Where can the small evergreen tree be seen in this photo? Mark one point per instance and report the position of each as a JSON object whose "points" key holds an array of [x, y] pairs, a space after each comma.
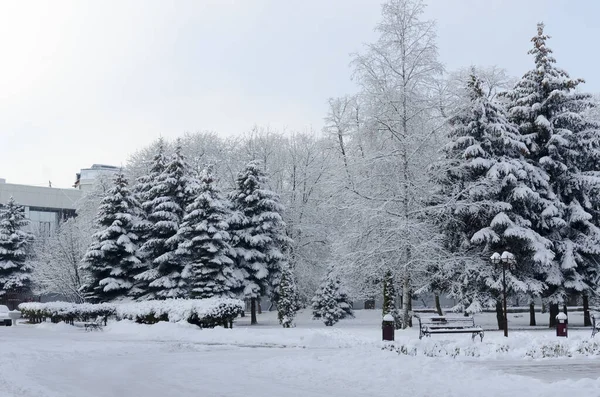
{"points": [[288, 303], [165, 207], [331, 303], [15, 272], [389, 299], [258, 233], [111, 260], [204, 243]]}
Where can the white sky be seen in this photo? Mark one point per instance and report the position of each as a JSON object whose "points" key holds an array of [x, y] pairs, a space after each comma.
{"points": [[85, 82]]}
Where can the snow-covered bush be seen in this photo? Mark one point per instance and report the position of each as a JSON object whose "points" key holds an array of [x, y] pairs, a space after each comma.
{"points": [[65, 311], [206, 313]]}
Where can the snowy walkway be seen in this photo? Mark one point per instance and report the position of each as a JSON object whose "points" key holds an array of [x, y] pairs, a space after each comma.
{"points": [[170, 360]]}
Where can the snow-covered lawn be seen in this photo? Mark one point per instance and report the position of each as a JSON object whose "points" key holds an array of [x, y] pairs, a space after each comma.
{"points": [[127, 359]]}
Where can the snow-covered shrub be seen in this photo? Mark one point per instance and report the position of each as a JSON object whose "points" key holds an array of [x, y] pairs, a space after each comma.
{"points": [[550, 350], [206, 313], [65, 311], [588, 348]]}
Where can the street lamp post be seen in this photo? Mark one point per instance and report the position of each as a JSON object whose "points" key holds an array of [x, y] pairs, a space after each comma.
{"points": [[507, 259]]}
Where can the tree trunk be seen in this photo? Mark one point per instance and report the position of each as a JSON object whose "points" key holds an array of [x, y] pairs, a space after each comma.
{"points": [[253, 311], [565, 311], [438, 306], [259, 306], [499, 314], [405, 300], [553, 313], [532, 314], [587, 321], [544, 307], [410, 324]]}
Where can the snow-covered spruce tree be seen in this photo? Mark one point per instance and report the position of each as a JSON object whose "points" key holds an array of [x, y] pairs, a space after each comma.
{"points": [[389, 299], [492, 200], [331, 303], [165, 205], [288, 302], [145, 195], [562, 140], [111, 260], [258, 233], [203, 240], [15, 272]]}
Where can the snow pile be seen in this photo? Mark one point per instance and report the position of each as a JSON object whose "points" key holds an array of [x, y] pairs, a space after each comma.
{"points": [[329, 338], [205, 313]]}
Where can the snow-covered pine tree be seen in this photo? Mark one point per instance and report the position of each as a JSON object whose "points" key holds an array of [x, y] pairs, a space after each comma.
{"points": [[111, 259], [562, 140], [492, 199], [145, 195], [389, 299], [331, 302], [165, 206], [15, 272], [258, 233], [288, 303], [203, 240]]}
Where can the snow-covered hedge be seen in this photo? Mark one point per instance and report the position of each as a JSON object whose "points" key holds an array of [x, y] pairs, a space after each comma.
{"points": [[65, 311], [205, 313], [522, 347]]}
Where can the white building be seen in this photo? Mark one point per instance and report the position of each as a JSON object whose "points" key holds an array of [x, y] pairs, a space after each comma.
{"points": [[45, 207], [86, 177]]}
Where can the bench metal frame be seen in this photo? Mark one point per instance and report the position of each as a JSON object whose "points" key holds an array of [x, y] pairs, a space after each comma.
{"points": [[94, 325], [448, 325], [595, 325]]}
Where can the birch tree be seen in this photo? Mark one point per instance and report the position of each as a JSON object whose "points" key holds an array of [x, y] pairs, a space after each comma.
{"points": [[396, 75]]}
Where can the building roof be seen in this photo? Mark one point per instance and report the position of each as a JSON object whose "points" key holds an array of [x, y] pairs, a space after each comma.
{"points": [[38, 196]]}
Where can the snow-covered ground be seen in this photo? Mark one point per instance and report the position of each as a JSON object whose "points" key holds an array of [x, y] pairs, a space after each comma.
{"points": [[347, 360]]}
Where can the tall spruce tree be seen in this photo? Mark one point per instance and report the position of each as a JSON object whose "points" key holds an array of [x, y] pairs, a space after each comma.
{"points": [[111, 259], [15, 272], [553, 117], [331, 302], [203, 243], [258, 231], [145, 195], [492, 198], [165, 206]]}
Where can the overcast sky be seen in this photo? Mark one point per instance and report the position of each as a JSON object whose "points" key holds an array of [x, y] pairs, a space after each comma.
{"points": [[85, 82]]}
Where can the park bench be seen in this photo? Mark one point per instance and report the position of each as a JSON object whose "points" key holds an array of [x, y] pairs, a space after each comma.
{"points": [[448, 325], [95, 325], [595, 324]]}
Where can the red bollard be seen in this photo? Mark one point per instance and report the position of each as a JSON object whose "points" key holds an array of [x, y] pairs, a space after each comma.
{"points": [[388, 327], [561, 325]]}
